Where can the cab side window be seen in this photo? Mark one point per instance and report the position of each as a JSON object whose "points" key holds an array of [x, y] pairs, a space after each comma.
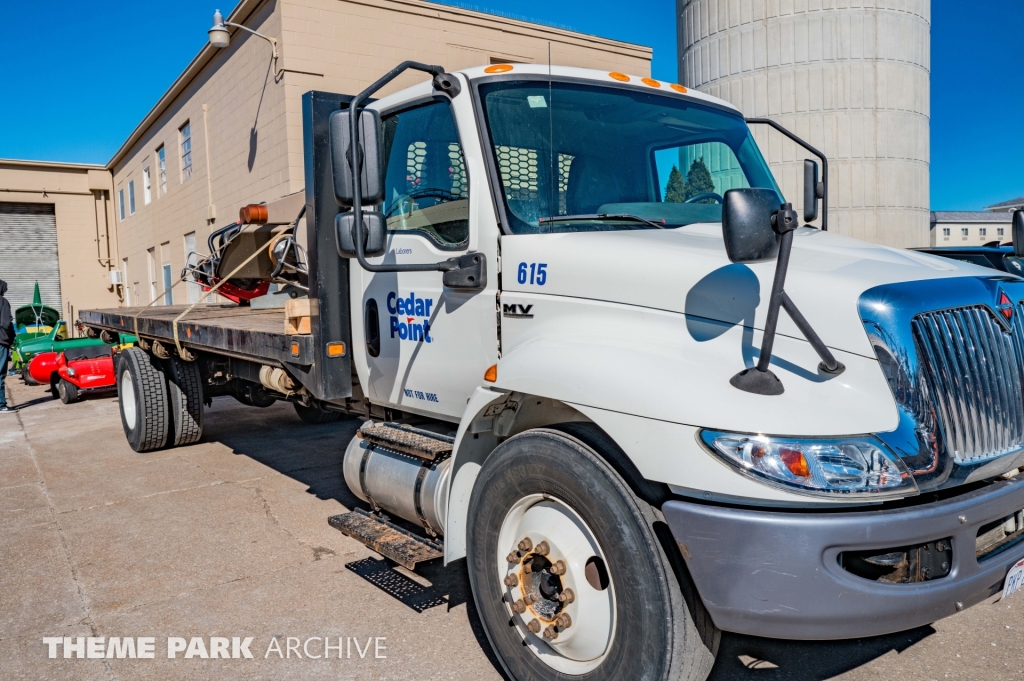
{"points": [[426, 189]]}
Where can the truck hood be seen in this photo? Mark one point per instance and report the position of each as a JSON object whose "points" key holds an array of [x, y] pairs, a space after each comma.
{"points": [[686, 270]]}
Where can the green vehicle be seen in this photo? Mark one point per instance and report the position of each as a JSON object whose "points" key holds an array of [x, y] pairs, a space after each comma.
{"points": [[57, 340], [35, 320]]}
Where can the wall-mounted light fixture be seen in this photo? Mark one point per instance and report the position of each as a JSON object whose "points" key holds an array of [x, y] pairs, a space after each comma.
{"points": [[220, 37]]}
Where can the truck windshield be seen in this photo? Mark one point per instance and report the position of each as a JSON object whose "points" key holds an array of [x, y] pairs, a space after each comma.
{"points": [[594, 152]]}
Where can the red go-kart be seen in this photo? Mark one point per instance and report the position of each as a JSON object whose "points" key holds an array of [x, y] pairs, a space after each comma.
{"points": [[76, 370]]}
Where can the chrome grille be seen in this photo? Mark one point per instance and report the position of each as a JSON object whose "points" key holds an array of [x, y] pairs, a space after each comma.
{"points": [[974, 369]]}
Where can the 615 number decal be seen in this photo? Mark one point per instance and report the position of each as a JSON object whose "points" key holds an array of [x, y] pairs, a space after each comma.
{"points": [[537, 273]]}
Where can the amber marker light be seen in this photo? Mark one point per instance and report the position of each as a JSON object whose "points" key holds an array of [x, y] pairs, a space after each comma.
{"points": [[491, 375], [295, 350], [498, 68], [621, 77], [795, 462], [650, 81], [336, 349], [678, 88]]}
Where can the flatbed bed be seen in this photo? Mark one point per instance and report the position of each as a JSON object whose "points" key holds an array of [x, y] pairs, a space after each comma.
{"points": [[225, 329]]}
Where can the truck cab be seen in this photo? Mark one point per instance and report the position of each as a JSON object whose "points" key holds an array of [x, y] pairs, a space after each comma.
{"points": [[601, 360]]}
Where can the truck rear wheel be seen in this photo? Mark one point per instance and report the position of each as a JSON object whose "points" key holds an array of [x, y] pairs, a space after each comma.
{"points": [[185, 398], [568, 574], [142, 398], [315, 415], [67, 391]]}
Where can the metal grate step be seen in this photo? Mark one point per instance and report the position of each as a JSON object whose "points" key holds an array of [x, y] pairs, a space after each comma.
{"points": [[405, 439], [386, 538]]}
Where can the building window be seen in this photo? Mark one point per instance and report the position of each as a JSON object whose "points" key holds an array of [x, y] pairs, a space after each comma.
{"points": [[147, 186], [151, 262], [131, 197], [165, 271], [982, 231], [185, 133], [999, 231], [945, 231], [127, 289], [161, 168], [120, 203], [964, 232]]}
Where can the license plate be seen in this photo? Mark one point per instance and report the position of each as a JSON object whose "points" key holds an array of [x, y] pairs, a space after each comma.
{"points": [[1014, 579]]}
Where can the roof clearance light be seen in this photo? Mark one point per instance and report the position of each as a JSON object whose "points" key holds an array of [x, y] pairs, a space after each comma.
{"points": [[650, 81], [622, 77], [498, 68], [678, 88]]}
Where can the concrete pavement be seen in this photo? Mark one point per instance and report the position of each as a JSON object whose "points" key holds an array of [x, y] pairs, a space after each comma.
{"points": [[228, 538]]}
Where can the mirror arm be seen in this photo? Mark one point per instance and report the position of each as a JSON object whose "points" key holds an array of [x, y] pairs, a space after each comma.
{"points": [[808, 147], [760, 380], [355, 162]]}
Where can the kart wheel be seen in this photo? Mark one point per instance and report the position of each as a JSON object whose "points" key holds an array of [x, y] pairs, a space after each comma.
{"points": [[568, 574], [185, 398], [27, 377], [54, 383], [142, 397], [315, 416], [67, 391]]}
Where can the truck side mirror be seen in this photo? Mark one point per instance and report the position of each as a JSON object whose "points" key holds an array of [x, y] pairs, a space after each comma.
{"points": [[374, 234], [370, 157], [813, 190], [1018, 232], [747, 224]]}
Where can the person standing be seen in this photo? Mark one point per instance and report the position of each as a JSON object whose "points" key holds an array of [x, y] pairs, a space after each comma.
{"points": [[6, 341]]}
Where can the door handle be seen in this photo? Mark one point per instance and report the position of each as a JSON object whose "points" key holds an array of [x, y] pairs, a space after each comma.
{"points": [[371, 328]]}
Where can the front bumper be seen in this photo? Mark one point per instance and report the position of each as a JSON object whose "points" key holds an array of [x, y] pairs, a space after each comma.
{"points": [[777, 573]]}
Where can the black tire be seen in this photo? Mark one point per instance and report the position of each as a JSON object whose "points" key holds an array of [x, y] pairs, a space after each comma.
{"points": [[67, 391], [253, 395], [27, 377], [54, 381], [185, 399], [659, 634], [315, 415], [147, 424]]}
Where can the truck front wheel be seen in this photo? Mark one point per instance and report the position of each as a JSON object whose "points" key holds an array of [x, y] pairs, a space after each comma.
{"points": [[568, 574], [315, 415], [142, 398]]}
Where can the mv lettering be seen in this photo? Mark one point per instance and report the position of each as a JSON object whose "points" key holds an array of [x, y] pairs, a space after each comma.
{"points": [[410, 317]]}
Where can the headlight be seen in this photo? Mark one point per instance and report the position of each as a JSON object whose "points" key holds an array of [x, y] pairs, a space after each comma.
{"points": [[71, 371], [848, 467]]}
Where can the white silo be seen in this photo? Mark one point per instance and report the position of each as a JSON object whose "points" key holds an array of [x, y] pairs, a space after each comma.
{"points": [[851, 77]]}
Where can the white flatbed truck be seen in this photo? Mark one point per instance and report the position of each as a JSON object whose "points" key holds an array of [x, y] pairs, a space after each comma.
{"points": [[576, 374]]}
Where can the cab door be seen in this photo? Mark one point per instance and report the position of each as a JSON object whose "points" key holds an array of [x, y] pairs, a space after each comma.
{"points": [[426, 346]]}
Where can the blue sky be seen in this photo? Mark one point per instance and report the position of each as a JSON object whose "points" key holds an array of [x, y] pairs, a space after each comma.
{"points": [[78, 77]]}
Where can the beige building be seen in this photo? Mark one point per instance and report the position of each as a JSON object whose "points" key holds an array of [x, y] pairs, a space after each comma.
{"points": [[57, 228], [229, 131], [970, 228]]}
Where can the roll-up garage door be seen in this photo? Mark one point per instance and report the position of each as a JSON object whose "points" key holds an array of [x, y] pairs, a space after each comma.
{"points": [[28, 253]]}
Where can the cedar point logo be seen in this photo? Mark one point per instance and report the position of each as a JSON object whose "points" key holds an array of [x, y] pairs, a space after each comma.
{"points": [[404, 312]]}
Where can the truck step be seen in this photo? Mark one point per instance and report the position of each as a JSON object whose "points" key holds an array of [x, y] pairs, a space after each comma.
{"points": [[405, 439], [386, 538]]}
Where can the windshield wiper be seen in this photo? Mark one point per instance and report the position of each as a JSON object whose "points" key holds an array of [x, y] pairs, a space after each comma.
{"points": [[597, 217]]}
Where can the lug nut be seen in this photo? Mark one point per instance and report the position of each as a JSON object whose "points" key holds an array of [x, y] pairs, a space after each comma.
{"points": [[530, 598], [550, 633], [534, 626], [567, 596], [563, 621], [558, 568], [511, 580], [542, 548], [513, 557], [526, 544], [528, 566], [519, 607]]}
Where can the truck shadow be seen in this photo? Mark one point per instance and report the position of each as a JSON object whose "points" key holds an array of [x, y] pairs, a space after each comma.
{"points": [[748, 657]]}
